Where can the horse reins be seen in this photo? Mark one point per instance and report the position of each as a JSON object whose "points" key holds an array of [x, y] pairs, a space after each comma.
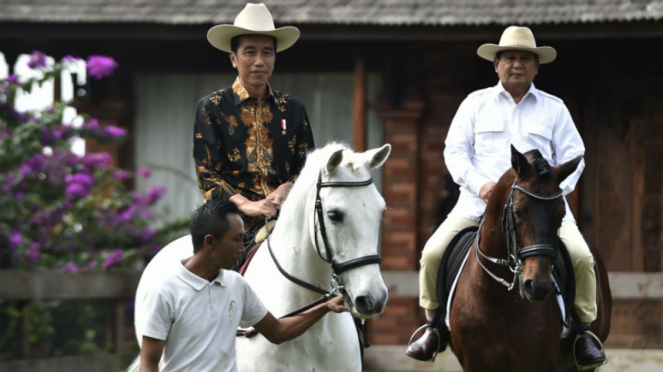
{"points": [[515, 256]]}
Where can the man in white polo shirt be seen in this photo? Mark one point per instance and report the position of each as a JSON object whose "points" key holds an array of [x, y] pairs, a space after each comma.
{"points": [[477, 153], [192, 316]]}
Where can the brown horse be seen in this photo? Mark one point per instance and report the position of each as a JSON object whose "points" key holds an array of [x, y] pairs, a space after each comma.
{"points": [[494, 328]]}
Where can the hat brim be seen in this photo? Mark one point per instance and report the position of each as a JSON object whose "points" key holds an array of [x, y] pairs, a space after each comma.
{"points": [[220, 36], [488, 51]]}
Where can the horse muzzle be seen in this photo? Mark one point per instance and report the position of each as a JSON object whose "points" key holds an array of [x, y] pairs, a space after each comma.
{"points": [[369, 304], [536, 290]]}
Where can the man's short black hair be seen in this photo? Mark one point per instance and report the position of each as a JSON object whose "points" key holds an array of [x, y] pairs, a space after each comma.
{"points": [[234, 42], [211, 218], [498, 54]]}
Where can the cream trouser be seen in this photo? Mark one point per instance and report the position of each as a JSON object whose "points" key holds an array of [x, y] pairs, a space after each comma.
{"points": [[583, 265]]}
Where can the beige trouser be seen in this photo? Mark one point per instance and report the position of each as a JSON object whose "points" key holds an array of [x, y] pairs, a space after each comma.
{"points": [[583, 265]]}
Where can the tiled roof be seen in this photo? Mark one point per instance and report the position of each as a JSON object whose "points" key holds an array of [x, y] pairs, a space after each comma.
{"points": [[363, 12]]}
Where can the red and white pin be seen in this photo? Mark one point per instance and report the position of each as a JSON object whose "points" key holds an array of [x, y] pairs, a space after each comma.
{"points": [[283, 127]]}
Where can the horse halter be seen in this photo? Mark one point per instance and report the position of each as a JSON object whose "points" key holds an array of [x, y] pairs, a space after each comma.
{"points": [[337, 268], [515, 256]]}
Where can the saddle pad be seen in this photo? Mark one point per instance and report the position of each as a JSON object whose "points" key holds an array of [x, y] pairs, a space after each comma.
{"points": [[453, 262], [451, 265]]}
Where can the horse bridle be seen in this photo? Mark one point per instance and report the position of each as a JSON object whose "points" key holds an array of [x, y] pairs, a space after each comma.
{"points": [[515, 256], [337, 268]]}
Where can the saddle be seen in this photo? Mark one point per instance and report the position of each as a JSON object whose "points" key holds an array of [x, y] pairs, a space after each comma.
{"points": [[252, 241], [453, 261]]}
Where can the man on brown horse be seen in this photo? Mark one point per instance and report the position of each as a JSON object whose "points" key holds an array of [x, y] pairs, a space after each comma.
{"points": [[477, 153]]}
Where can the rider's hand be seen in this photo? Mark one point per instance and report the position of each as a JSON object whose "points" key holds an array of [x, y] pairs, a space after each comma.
{"points": [[254, 208], [486, 190], [278, 196], [337, 305]]}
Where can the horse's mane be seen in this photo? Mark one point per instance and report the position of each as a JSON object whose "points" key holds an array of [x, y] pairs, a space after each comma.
{"points": [[317, 159]]}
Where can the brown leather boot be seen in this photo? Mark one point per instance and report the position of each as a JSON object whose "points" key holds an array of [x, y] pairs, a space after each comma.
{"points": [[427, 346], [587, 354]]}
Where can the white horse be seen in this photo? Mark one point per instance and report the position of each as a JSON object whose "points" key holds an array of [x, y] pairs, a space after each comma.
{"points": [[350, 209]]}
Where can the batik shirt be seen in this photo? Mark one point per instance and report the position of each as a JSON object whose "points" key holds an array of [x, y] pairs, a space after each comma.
{"points": [[249, 147]]}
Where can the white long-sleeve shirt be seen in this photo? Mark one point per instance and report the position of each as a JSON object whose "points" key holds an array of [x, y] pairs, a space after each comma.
{"points": [[487, 122]]}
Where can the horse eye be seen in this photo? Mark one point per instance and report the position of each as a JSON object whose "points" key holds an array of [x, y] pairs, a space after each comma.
{"points": [[517, 213], [335, 216]]}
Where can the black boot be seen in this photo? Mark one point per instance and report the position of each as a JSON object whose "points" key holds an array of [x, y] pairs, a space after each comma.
{"points": [[587, 353], [428, 345]]}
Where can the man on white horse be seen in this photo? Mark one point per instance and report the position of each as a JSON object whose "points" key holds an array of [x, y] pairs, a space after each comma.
{"points": [[251, 141], [477, 153], [192, 316]]}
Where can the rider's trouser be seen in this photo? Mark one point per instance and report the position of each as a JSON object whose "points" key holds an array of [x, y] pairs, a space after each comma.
{"points": [[583, 265]]}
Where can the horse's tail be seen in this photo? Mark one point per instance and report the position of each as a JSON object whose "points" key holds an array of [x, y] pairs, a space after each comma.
{"points": [[135, 365]]}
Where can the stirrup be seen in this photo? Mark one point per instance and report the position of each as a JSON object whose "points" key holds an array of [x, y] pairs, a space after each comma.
{"points": [[598, 342], [437, 332]]}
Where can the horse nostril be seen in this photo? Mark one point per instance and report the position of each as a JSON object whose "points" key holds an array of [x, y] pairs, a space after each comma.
{"points": [[529, 284], [366, 305]]}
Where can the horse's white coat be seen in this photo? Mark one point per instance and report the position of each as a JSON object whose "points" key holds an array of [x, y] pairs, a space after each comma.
{"points": [[332, 343]]}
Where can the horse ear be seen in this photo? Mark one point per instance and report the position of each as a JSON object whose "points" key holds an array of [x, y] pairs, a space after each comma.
{"points": [[564, 170], [519, 163], [378, 156], [334, 161]]}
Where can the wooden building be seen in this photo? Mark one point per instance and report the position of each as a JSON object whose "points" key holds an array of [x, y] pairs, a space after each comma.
{"points": [[373, 72]]}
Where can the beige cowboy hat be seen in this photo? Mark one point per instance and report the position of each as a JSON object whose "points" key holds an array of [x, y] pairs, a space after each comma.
{"points": [[517, 38], [254, 19]]}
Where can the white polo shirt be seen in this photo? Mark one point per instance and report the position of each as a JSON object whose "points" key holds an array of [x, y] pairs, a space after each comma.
{"points": [[477, 148], [198, 319]]}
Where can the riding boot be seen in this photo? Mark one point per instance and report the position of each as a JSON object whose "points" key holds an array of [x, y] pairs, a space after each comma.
{"points": [[587, 353], [428, 345]]}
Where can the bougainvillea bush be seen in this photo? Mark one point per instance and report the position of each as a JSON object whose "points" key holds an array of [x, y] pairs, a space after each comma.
{"points": [[61, 210]]}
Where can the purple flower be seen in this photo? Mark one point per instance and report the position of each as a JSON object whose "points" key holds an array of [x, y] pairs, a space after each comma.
{"points": [[121, 175], [115, 132], [114, 258], [147, 234], [33, 253], [144, 172], [37, 59], [144, 213], [83, 179], [69, 58], [97, 160], [127, 214], [35, 163], [100, 66], [12, 79], [15, 238], [70, 267], [92, 265], [76, 189], [23, 117], [139, 199], [155, 193], [92, 123]]}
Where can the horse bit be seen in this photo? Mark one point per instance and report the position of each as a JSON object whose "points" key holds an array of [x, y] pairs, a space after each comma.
{"points": [[337, 268], [515, 257]]}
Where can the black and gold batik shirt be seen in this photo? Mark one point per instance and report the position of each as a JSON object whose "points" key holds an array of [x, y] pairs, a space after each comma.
{"points": [[242, 145]]}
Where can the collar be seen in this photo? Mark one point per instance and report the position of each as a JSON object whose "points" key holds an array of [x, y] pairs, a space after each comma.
{"points": [[194, 280], [499, 90], [241, 94]]}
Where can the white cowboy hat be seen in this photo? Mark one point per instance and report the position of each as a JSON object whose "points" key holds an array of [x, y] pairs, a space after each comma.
{"points": [[517, 38], [253, 19]]}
